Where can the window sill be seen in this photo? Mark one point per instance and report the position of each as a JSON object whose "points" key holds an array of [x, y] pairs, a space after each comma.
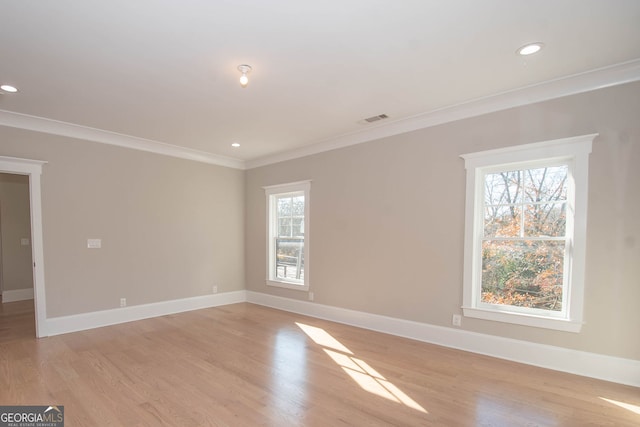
{"points": [[288, 285], [524, 319]]}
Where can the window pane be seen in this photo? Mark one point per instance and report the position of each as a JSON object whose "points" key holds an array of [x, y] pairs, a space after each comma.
{"points": [[502, 221], [290, 259], [545, 220], [284, 206], [284, 227], [503, 188], [298, 205], [287, 220], [298, 227], [546, 184], [523, 273]]}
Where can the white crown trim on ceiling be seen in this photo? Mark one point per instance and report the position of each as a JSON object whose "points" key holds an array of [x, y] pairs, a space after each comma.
{"points": [[626, 72], [578, 83], [55, 127]]}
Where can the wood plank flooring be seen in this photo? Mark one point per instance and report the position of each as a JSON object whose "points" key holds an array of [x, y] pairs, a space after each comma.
{"points": [[247, 365], [17, 320]]}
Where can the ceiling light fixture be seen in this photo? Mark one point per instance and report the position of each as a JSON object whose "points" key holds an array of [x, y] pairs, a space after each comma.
{"points": [[244, 69], [530, 48], [235, 145], [9, 88]]}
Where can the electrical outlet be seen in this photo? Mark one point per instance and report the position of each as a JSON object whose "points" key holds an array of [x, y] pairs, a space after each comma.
{"points": [[456, 320], [123, 302], [214, 289], [310, 296]]}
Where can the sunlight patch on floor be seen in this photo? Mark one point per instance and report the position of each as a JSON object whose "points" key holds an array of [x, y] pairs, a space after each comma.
{"points": [[323, 338], [360, 371], [628, 406]]}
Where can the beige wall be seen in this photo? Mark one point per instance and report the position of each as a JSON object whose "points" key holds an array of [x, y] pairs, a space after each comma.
{"points": [[387, 219], [15, 224], [170, 228]]}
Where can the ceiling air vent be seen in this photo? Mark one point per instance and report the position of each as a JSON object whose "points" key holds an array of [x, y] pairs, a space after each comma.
{"points": [[376, 118]]}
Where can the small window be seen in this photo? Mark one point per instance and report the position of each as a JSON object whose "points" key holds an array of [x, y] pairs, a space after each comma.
{"points": [[525, 233], [288, 235]]}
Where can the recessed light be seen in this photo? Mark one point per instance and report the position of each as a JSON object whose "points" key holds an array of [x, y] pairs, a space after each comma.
{"points": [[530, 49], [9, 88], [235, 145]]}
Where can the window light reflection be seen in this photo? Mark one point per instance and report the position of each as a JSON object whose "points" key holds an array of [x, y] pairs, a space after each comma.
{"points": [[370, 380], [289, 371], [323, 338], [628, 406], [364, 375]]}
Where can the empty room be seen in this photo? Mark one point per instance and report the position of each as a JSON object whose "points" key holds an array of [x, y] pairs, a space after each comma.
{"points": [[336, 213]]}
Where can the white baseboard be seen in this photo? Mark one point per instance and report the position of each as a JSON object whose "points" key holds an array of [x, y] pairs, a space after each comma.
{"points": [[17, 295], [608, 368], [97, 319]]}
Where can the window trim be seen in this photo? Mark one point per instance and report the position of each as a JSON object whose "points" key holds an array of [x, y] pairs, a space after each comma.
{"points": [[575, 151], [271, 192]]}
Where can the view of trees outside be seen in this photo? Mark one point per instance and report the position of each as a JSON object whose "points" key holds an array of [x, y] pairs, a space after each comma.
{"points": [[524, 240], [290, 238]]}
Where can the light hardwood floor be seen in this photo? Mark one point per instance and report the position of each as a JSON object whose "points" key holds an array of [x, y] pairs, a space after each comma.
{"points": [[247, 365]]}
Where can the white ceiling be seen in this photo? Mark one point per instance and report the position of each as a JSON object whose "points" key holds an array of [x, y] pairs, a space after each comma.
{"points": [[165, 70]]}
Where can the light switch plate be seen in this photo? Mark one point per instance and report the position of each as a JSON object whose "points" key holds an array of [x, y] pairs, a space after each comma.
{"points": [[24, 241], [94, 243]]}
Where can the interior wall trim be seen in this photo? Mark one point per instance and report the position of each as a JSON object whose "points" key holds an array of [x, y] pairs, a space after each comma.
{"points": [[626, 72], [603, 367], [617, 74], [17, 295], [98, 319], [599, 366], [33, 169], [71, 130]]}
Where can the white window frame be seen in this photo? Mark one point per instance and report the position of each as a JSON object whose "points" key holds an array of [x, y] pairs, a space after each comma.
{"points": [[272, 192], [572, 151]]}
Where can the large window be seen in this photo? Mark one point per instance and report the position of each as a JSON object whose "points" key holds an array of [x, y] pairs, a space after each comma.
{"points": [[288, 235], [525, 233]]}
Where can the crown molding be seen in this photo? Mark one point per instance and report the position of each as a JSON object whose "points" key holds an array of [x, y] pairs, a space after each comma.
{"points": [[618, 74], [600, 78], [55, 127]]}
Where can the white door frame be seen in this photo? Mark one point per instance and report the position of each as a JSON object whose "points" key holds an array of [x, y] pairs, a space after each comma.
{"points": [[1, 266], [33, 168]]}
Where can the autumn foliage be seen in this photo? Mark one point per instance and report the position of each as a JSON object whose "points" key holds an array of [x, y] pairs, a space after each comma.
{"points": [[524, 238]]}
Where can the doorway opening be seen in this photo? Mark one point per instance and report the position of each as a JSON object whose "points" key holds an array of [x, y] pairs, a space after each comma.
{"points": [[16, 262], [32, 169]]}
